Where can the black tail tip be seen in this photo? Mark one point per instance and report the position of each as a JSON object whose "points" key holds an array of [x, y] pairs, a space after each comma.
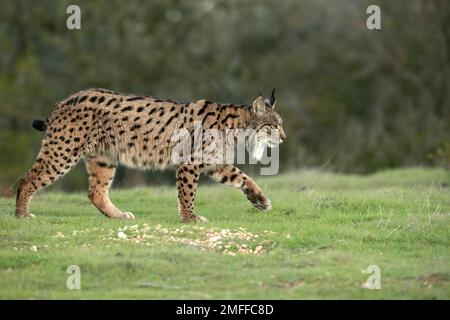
{"points": [[39, 125]]}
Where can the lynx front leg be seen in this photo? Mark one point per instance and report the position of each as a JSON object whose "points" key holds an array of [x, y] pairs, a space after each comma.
{"points": [[233, 177], [101, 171], [187, 181]]}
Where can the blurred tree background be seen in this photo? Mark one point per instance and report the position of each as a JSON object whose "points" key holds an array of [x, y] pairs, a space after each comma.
{"points": [[353, 99]]}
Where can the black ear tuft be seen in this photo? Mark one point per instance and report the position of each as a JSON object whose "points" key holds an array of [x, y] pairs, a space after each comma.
{"points": [[272, 97]]}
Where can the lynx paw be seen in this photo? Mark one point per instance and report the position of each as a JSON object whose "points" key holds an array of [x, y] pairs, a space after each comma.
{"points": [[127, 216], [26, 216], [194, 218], [258, 200], [262, 203]]}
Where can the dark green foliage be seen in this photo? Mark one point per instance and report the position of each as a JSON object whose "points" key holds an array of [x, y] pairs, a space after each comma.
{"points": [[353, 99]]}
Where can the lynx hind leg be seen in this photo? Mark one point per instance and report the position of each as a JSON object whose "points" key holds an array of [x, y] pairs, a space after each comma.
{"points": [[187, 181], [53, 161], [234, 177], [101, 170]]}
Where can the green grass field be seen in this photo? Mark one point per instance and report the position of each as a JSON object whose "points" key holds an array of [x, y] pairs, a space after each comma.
{"points": [[323, 232]]}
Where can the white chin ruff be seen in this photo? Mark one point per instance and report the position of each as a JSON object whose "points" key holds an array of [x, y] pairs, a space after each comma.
{"points": [[258, 150]]}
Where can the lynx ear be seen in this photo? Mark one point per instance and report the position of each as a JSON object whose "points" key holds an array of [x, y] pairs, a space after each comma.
{"points": [[272, 100], [259, 106]]}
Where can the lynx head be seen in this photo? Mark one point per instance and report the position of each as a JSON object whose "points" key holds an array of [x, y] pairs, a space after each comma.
{"points": [[267, 125]]}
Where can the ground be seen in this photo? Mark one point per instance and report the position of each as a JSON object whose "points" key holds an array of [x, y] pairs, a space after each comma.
{"points": [[324, 231]]}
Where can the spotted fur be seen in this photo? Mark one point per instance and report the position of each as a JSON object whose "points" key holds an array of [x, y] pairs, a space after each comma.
{"points": [[106, 128]]}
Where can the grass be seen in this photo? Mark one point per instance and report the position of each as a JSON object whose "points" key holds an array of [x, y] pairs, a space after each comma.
{"points": [[323, 232]]}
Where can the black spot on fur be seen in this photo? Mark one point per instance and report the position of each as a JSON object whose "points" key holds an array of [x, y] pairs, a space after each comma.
{"points": [[135, 98], [83, 98], [230, 116], [207, 115], [170, 120], [110, 101], [203, 108], [129, 108]]}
